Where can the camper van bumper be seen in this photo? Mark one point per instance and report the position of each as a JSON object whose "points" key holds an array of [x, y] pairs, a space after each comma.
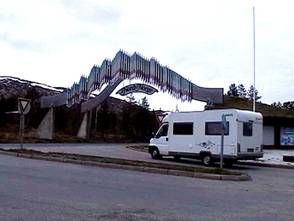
{"points": [[240, 156], [246, 156]]}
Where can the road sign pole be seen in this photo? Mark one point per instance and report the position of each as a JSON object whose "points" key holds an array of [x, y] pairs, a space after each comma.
{"points": [[24, 107], [222, 150], [21, 129], [223, 129]]}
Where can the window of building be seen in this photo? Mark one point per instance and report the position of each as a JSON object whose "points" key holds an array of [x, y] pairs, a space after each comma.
{"points": [[247, 129], [183, 128], [215, 128]]}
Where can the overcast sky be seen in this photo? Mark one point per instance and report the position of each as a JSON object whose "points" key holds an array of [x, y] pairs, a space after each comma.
{"points": [[209, 42]]}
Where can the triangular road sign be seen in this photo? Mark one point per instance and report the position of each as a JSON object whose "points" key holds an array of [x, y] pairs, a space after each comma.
{"points": [[24, 105]]}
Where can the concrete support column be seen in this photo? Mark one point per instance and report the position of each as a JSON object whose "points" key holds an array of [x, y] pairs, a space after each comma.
{"points": [[46, 127], [84, 127], [89, 126]]}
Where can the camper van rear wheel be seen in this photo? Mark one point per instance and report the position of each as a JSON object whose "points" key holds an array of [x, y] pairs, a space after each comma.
{"points": [[155, 153], [207, 160]]}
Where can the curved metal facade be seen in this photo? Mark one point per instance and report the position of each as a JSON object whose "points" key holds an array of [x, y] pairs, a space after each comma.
{"points": [[124, 66]]}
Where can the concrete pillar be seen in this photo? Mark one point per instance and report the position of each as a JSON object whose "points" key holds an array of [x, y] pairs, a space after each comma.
{"points": [[89, 126], [46, 127], [84, 127]]}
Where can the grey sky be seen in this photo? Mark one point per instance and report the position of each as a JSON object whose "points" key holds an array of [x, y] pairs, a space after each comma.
{"points": [[208, 42]]}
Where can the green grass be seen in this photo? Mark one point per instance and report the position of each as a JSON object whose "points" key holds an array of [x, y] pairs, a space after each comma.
{"points": [[127, 162]]}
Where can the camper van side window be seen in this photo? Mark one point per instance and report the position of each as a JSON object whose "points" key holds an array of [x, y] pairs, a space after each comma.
{"points": [[162, 131], [247, 129], [183, 128], [215, 128]]}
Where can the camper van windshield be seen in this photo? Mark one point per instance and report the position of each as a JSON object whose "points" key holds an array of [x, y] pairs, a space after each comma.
{"points": [[162, 131]]}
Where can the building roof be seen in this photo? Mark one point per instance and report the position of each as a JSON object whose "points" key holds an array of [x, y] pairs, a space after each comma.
{"points": [[267, 111]]}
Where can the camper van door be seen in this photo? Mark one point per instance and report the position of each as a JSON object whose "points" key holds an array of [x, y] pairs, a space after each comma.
{"points": [[161, 140]]}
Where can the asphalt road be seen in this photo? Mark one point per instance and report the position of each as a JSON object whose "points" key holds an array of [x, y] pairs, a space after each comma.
{"points": [[43, 190]]}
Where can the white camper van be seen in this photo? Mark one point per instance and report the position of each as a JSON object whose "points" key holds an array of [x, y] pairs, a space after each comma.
{"points": [[198, 135]]}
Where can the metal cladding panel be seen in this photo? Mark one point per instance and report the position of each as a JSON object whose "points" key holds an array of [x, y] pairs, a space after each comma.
{"points": [[116, 64], [54, 101], [97, 78], [104, 72], [153, 70], [164, 79], [91, 79], [121, 65], [133, 64], [139, 66], [126, 66], [93, 103], [185, 89], [209, 95]]}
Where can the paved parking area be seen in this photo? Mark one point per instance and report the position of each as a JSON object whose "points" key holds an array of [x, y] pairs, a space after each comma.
{"points": [[120, 151]]}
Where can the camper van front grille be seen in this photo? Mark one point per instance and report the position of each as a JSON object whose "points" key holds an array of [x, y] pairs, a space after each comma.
{"points": [[250, 150]]}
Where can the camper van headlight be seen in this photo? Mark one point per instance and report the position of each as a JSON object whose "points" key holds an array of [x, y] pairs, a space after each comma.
{"points": [[238, 148]]}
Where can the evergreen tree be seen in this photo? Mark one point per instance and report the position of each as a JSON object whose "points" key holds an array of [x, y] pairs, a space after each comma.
{"points": [[242, 91], [277, 104], [233, 91], [131, 98], [250, 94], [103, 118], [144, 103], [289, 105], [125, 124]]}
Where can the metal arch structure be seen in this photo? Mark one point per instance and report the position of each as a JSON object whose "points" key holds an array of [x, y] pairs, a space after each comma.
{"points": [[124, 66]]}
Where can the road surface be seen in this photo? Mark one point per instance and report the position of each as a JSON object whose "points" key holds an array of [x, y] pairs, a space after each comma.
{"points": [[43, 190]]}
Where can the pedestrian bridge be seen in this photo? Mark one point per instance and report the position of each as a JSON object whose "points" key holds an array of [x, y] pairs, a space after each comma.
{"points": [[123, 66]]}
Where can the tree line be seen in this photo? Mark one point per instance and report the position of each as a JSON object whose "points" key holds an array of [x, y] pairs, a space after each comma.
{"points": [[241, 92], [288, 105], [134, 121]]}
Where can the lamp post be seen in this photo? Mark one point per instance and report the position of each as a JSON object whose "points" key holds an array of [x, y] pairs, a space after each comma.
{"points": [[254, 59]]}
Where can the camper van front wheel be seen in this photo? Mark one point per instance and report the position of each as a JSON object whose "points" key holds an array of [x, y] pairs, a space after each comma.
{"points": [[207, 160], [155, 153]]}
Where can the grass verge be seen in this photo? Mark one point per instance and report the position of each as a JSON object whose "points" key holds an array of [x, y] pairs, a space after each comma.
{"points": [[137, 163]]}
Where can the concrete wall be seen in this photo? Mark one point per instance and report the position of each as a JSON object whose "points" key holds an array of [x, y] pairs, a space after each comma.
{"points": [[268, 135]]}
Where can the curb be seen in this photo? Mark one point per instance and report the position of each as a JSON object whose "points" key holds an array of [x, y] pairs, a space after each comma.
{"points": [[144, 149], [280, 166], [113, 165], [288, 158]]}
